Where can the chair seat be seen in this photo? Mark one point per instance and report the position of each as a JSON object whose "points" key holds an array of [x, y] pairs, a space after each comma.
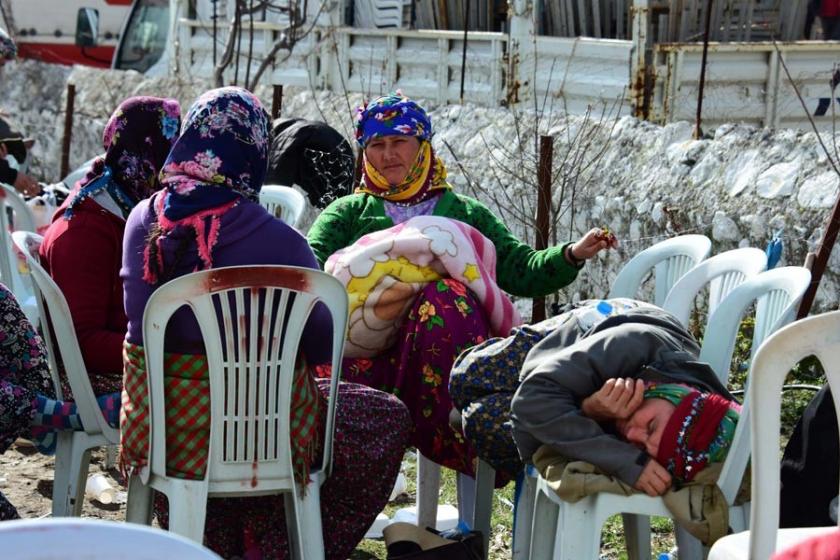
{"points": [[737, 546], [66, 538]]}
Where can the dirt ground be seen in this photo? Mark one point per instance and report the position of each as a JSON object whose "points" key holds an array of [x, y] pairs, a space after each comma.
{"points": [[26, 480]]}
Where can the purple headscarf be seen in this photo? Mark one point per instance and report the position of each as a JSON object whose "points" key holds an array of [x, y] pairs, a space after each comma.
{"points": [[137, 139], [220, 158]]}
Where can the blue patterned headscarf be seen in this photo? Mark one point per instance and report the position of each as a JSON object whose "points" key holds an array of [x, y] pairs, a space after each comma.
{"points": [[8, 49], [137, 138], [391, 115], [220, 158]]}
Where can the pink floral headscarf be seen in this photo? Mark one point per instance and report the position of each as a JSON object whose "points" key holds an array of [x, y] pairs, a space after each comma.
{"points": [[220, 158]]}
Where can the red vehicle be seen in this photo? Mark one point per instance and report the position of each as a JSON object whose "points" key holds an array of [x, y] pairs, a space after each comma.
{"points": [[47, 29]]}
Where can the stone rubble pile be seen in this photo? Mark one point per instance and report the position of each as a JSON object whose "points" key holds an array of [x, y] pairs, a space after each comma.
{"points": [[740, 185]]}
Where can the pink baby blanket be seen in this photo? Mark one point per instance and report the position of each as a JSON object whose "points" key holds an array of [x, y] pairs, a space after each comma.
{"points": [[384, 271]]}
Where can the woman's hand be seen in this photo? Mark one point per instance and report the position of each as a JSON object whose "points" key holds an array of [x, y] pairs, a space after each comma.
{"points": [[595, 240], [618, 399], [655, 480], [26, 185]]}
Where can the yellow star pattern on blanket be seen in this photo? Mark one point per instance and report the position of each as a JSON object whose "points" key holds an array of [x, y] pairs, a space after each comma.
{"points": [[471, 273]]}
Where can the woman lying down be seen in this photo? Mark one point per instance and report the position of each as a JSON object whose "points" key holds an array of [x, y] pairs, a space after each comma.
{"points": [[615, 383]]}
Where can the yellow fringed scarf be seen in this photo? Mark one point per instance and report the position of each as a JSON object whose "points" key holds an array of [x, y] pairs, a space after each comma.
{"points": [[417, 182]]}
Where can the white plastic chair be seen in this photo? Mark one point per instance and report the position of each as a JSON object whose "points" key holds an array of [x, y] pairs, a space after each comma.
{"points": [[669, 259], [814, 336], [721, 273], [72, 456], [62, 538], [283, 202], [475, 495], [251, 346], [10, 273], [571, 531]]}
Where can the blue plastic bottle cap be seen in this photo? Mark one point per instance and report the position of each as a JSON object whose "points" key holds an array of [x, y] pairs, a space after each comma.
{"points": [[604, 308]]}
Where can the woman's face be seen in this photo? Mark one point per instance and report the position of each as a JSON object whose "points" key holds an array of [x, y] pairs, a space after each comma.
{"points": [[645, 426], [393, 156]]}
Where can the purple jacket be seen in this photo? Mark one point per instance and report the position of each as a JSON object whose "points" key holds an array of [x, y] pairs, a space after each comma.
{"points": [[248, 235]]}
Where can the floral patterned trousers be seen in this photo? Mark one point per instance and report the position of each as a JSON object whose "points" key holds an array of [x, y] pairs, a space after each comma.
{"points": [[444, 320]]}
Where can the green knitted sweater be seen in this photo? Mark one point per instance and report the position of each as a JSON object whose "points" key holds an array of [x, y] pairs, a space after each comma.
{"points": [[520, 270]]}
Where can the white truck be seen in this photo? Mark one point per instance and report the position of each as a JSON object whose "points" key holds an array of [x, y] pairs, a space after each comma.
{"points": [[46, 29], [745, 81]]}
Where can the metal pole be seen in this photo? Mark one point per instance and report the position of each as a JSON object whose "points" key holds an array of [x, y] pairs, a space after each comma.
{"points": [[543, 213], [820, 261], [357, 172], [464, 52], [277, 101], [68, 130], [215, 31], [697, 131]]}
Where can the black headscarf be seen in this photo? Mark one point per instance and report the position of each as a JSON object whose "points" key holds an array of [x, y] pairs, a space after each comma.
{"points": [[312, 155]]}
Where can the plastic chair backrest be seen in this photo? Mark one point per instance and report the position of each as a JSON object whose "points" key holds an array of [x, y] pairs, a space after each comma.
{"points": [[10, 273], [670, 259], [283, 202], [776, 294], [23, 218], [61, 340], [67, 537], [721, 273], [251, 320], [814, 336]]}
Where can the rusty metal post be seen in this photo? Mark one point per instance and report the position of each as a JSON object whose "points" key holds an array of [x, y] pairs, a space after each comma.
{"points": [[276, 101], [698, 132], [357, 172], [464, 50], [68, 130], [820, 261], [543, 213], [641, 83]]}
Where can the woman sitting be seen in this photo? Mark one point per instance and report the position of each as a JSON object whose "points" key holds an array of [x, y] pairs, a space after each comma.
{"points": [[207, 216], [27, 405], [82, 249], [404, 179], [608, 382]]}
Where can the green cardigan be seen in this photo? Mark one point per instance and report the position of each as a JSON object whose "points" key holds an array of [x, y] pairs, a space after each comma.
{"points": [[520, 270]]}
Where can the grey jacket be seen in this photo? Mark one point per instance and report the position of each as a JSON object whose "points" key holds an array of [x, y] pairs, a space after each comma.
{"points": [[570, 364]]}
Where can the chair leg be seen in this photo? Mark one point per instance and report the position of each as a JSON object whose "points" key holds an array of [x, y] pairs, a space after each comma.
{"points": [[523, 514], [187, 511], [79, 464], [485, 478], [465, 487], [138, 509], [544, 522], [294, 527], [61, 478], [579, 533], [688, 547], [428, 486], [312, 532], [637, 535], [111, 456]]}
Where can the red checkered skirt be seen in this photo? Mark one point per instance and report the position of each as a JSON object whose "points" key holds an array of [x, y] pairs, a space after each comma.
{"points": [[187, 394]]}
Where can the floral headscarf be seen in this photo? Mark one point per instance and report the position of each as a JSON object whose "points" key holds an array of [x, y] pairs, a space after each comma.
{"points": [[137, 139], [699, 432], [8, 49], [394, 115], [389, 115], [219, 159]]}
